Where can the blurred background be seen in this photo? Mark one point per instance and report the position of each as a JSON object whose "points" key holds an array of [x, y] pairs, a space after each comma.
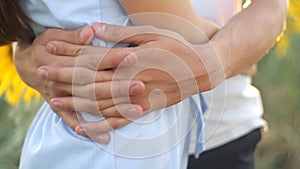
{"points": [[278, 80]]}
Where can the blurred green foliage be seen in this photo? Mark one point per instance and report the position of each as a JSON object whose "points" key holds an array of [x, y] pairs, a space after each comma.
{"points": [[14, 122], [279, 81]]}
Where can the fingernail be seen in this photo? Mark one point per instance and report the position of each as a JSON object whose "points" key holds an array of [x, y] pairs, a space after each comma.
{"points": [[52, 47], [82, 34], [43, 72], [99, 27], [80, 130], [136, 89], [133, 112], [102, 139], [56, 104], [130, 59]]}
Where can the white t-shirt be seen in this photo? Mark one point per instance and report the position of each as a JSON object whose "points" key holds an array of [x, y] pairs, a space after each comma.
{"points": [[235, 106]]}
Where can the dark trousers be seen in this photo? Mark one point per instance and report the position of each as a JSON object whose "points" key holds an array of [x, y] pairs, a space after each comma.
{"points": [[238, 154]]}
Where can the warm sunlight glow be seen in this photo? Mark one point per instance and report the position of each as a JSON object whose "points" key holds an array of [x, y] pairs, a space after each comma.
{"points": [[11, 85], [247, 3], [291, 28]]}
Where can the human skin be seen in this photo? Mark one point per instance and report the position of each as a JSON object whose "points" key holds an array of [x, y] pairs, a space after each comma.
{"points": [[233, 44], [50, 89], [29, 57]]}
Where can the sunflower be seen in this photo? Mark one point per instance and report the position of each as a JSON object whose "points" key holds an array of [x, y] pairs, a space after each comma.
{"points": [[294, 16], [12, 88], [292, 28]]}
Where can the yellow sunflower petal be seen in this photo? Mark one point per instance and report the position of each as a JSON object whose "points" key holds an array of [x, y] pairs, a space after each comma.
{"points": [[11, 85], [292, 28]]}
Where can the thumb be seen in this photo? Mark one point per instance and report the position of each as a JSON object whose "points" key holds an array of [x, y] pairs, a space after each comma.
{"points": [[125, 34]]}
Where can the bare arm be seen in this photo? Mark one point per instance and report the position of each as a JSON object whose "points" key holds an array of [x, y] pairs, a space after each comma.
{"points": [[250, 34], [239, 44], [182, 9]]}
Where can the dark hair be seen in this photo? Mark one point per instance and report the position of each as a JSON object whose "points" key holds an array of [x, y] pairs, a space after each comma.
{"points": [[14, 24]]}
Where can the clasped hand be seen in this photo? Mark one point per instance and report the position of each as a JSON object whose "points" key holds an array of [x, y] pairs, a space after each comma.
{"points": [[121, 84]]}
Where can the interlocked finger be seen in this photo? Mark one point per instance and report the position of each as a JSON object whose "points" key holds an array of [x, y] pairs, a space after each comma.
{"points": [[96, 108], [129, 111], [69, 117], [95, 130], [82, 76], [109, 89], [133, 34]]}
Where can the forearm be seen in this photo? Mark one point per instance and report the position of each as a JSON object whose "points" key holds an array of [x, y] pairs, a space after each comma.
{"points": [[249, 35], [175, 15]]}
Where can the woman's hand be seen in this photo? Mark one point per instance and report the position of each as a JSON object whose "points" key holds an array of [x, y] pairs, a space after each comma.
{"points": [[29, 57]]}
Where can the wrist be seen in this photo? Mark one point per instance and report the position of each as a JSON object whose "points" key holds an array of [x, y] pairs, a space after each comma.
{"points": [[223, 53], [208, 69]]}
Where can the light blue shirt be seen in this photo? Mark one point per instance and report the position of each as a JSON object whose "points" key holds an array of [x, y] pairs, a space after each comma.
{"points": [[159, 140]]}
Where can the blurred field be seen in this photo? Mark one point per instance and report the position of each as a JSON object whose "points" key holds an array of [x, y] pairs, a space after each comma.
{"points": [[14, 122], [279, 81]]}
